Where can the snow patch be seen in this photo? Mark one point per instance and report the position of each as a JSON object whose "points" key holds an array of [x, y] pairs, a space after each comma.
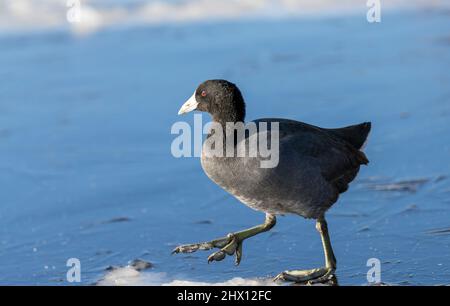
{"points": [[127, 276]]}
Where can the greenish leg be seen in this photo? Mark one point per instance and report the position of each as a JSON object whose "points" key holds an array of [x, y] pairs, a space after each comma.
{"points": [[320, 274], [229, 245]]}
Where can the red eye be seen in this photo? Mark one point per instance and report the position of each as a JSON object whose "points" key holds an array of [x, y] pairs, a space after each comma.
{"points": [[203, 93]]}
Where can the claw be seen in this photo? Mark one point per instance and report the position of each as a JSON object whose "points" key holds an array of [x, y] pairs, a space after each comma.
{"points": [[238, 254], [190, 248], [328, 276], [187, 248], [228, 246], [313, 276], [280, 277], [229, 249], [217, 256]]}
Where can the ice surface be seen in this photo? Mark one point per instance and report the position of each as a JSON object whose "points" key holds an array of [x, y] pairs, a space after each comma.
{"points": [[87, 173]]}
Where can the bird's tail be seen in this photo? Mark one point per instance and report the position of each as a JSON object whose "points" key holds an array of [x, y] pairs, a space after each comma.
{"points": [[356, 135]]}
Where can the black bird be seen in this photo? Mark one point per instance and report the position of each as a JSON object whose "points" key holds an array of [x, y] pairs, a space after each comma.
{"points": [[314, 166]]}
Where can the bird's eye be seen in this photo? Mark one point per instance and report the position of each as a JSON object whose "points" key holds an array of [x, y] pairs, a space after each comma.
{"points": [[203, 94]]}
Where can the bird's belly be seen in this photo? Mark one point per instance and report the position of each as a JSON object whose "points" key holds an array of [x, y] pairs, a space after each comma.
{"points": [[286, 204], [272, 206], [278, 192]]}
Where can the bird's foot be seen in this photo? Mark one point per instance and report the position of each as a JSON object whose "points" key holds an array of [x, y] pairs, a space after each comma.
{"points": [[229, 245], [310, 277]]}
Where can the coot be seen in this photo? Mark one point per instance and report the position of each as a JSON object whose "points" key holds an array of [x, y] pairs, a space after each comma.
{"points": [[314, 166]]}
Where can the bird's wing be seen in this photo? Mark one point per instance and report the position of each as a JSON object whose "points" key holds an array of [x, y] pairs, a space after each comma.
{"points": [[337, 159]]}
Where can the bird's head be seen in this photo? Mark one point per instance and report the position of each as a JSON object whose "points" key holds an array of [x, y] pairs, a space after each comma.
{"points": [[220, 98]]}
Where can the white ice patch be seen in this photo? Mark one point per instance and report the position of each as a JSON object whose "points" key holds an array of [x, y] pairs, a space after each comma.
{"points": [[96, 14], [128, 276]]}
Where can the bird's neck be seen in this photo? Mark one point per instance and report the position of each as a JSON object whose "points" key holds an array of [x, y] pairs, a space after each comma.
{"points": [[229, 111], [226, 117], [226, 126]]}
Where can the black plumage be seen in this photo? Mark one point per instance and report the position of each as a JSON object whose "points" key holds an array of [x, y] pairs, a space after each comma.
{"points": [[314, 166]]}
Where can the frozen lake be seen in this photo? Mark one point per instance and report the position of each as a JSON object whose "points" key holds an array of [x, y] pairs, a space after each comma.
{"points": [[87, 172]]}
